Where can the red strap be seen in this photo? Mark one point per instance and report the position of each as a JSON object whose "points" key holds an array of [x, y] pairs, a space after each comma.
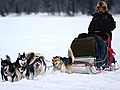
{"points": [[109, 42], [110, 52]]}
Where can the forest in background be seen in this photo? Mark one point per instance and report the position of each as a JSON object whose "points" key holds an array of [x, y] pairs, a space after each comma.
{"points": [[68, 7]]}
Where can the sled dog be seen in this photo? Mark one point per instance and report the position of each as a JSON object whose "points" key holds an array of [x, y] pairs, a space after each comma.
{"points": [[6, 68], [21, 66], [36, 65], [13, 70], [63, 64]]}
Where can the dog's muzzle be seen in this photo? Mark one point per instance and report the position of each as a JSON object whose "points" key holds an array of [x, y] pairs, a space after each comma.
{"points": [[54, 64], [37, 65]]}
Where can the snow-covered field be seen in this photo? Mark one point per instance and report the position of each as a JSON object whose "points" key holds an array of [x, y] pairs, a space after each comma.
{"points": [[52, 36]]}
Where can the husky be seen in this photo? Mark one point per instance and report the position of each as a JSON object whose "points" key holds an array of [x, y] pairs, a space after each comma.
{"points": [[63, 64], [36, 65], [13, 70], [8, 69], [21, 66]]}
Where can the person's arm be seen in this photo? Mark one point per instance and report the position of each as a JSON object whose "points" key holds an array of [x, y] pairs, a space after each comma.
{"points": [[112, 25], [91, 28]]}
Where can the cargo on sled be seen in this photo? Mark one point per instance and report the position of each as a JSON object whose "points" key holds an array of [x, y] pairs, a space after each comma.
{"points": [[91, 54]]}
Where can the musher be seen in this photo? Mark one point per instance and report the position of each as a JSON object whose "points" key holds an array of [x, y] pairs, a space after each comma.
{"points": [[102, 23]]}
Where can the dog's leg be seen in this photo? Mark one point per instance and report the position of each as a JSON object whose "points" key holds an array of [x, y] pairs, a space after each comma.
{"points": [[53, 70], [32, 72], [24, 74], [19, 75], [63, 69], [13, 77], [70, 69], [32, 76], [2, 74], [28, 72], [4, 78], [42, 70]]}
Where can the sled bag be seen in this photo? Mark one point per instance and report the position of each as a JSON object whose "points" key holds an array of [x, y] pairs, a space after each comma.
{"points": [[83, 46]]}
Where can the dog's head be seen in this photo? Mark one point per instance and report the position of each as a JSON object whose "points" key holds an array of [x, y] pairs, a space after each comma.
{"points": [[38, 63], [21, 62], [22, 57], [56, 61], [5, 64]]}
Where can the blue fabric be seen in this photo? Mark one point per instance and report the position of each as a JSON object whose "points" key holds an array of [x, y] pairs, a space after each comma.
{"points": [[100, 50]]}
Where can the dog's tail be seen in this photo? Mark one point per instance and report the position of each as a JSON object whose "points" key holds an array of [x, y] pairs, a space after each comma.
{"points": [[8, 58], [32, 57], [70, 54]]}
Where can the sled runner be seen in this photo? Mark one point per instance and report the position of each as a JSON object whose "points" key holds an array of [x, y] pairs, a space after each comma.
{"points": [[92, 54], [84, 65]]}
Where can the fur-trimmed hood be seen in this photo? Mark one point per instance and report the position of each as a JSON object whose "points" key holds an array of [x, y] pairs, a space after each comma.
{"points": [[101, 4]]}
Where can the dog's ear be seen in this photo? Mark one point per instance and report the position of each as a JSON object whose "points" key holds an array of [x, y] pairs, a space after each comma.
{"points": [[24, 54], [1, 59], [56, 57], [19, 55], [60, 58], [8, 58]]}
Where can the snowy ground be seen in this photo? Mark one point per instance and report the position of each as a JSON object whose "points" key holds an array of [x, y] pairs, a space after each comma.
{"points": [[52, 36]]}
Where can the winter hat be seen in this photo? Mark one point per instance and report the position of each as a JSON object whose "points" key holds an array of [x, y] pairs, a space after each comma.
{"points": [[101, 4]]}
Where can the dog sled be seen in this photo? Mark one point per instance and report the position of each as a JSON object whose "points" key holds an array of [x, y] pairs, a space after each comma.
{"points": [[92, 54]]}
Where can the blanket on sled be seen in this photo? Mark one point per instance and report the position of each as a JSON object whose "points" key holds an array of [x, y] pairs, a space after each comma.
{"points": [[89, 45]]}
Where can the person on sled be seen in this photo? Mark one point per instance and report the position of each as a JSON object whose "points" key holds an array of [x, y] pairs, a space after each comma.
{"points": [[102, 23]]}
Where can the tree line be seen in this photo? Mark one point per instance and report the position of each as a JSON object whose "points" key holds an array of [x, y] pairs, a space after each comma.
{"points": [[68, 7]]}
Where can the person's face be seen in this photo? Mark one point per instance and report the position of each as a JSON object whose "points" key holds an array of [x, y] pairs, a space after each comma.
{"points": [[101, 9]]}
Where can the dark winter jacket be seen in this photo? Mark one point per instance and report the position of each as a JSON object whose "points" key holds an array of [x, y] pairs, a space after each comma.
{"points": [[101, 25]]}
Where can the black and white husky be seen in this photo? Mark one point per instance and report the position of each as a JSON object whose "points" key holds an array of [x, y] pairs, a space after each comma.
{"points": [[7, 69], [13, 70], [27, 65], [36, 65], [21, 66]]}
